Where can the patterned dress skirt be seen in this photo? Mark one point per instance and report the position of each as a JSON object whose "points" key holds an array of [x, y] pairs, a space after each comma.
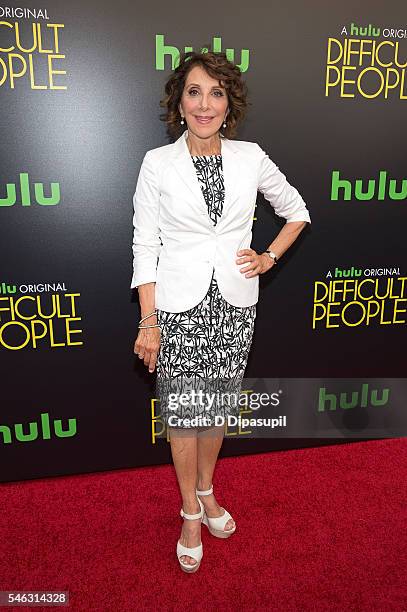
{"points": [[204, 350]]}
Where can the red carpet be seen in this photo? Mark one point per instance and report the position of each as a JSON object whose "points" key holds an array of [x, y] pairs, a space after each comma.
{"points": [[318, 529]]}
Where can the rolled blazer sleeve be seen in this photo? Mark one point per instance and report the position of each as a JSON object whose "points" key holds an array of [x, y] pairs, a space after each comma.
{"points": [[146, 235], [284, 198]]}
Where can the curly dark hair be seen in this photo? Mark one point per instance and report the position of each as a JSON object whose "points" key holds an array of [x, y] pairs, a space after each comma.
{"points": [[218, 67]]}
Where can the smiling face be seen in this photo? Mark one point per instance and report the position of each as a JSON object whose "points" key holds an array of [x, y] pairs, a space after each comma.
{"points": [[204, 103]]}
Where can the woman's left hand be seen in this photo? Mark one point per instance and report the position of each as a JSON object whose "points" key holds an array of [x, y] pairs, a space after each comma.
{"points": [[257, 263]]}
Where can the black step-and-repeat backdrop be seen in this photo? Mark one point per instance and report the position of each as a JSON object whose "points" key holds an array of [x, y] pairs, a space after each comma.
{"points": [[80, 85]]}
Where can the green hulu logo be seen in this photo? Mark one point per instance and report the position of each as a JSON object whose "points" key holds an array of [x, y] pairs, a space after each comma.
{"points": [[366, 31], [41, 430], [161, 50], [360, 399], [25, 195], [5, 288], [348, 273], [376, 189]]}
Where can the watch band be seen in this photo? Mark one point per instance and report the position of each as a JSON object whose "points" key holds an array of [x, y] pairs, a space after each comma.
{"points": [[273, 255]]}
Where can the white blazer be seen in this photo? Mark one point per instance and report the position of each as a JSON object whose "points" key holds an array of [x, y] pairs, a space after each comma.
{"points": [[172, 225]]}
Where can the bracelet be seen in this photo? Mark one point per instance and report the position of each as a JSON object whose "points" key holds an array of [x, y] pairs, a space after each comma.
{"points": [[146, 326], [149, 315]]}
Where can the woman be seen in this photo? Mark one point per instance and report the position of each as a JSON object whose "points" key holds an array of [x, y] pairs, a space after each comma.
{"points": [[193, 211]]}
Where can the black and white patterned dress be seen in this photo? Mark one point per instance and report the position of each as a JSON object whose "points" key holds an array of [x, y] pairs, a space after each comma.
{"points": [[204, 349]]}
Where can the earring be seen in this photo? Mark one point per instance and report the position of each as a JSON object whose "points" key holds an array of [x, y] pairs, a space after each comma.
{"points": [[182, 120], [224, 124]]}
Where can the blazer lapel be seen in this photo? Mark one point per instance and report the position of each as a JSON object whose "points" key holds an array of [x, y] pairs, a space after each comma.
{"points": [[186, 170], [232, 175]]}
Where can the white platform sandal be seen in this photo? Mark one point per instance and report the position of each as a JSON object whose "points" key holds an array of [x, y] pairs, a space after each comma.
{"points": [[217, 524], [197, 551]]}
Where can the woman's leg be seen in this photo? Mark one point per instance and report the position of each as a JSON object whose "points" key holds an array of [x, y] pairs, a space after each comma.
{"points": [[184, 454], [209, 442]]}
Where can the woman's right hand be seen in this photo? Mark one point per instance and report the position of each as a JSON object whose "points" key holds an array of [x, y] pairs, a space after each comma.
{"points": [[147, 345]]}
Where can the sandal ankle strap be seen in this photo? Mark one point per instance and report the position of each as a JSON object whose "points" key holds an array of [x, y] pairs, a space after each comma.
{"points": [[207, 492], [191, 517]]}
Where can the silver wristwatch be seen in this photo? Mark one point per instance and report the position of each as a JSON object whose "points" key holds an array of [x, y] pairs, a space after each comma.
{"points": [[272, 255]]}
